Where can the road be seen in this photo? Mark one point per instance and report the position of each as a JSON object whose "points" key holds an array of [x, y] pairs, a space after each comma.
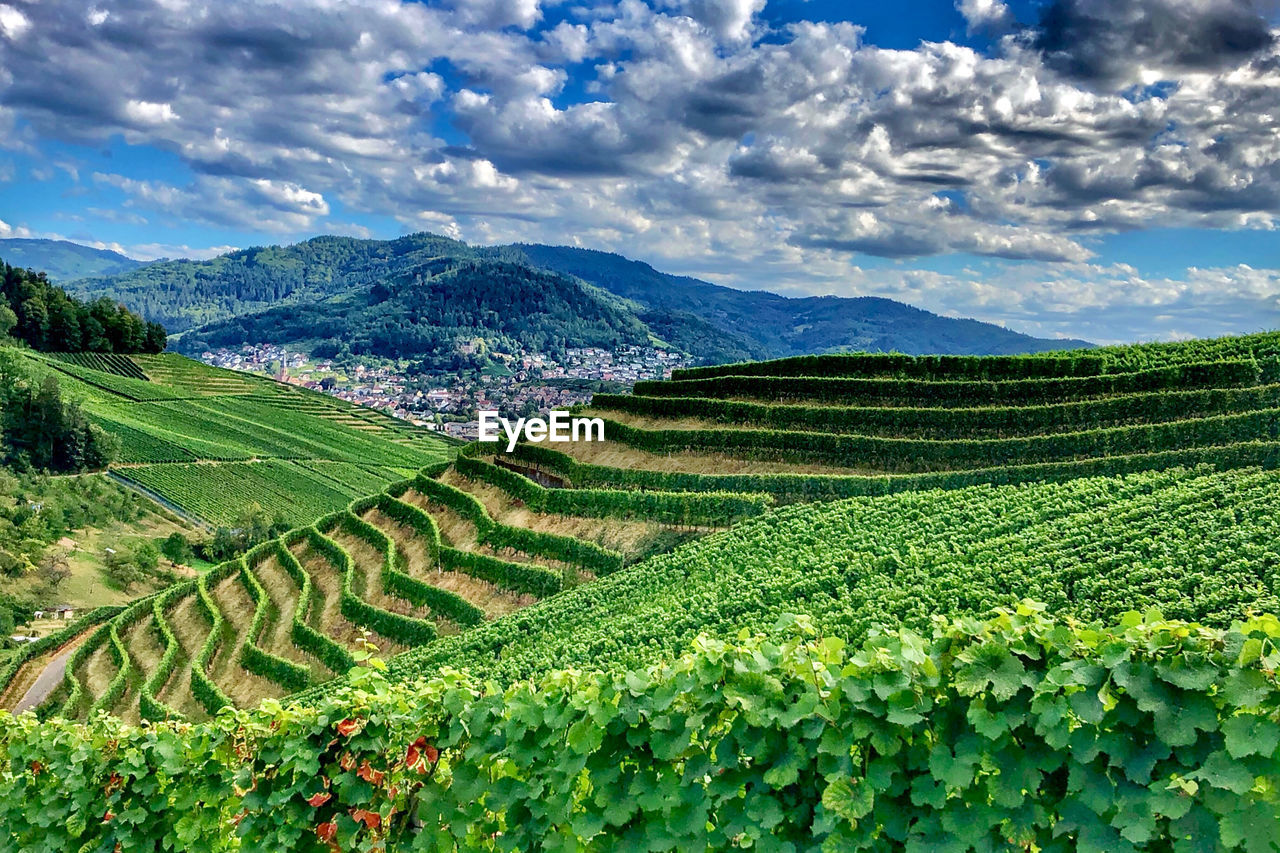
{"points": [[46, 682]]}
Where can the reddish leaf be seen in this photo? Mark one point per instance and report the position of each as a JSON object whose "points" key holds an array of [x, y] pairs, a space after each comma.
{"points": [[108, 816], [318, 800], [433, 754], [326, 831], [370, 819], [368, 774], [348, 727]]}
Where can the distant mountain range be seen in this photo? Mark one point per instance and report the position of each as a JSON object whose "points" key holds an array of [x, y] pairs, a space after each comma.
{"points": [[418, 295], [64, 261]]}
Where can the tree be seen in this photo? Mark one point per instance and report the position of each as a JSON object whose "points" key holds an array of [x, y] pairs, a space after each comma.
{"points": [[177, 549], [8, 320], [224, 546]]}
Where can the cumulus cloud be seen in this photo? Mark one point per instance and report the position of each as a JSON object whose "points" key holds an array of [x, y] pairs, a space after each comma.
{"points": [[989, 15], [686, 131]]}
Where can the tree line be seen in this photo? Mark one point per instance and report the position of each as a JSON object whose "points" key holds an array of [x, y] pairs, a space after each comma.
{"points": [[45, 318]]}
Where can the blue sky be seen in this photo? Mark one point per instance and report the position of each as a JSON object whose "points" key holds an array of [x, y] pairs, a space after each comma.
{"points": [[1103, 169]]}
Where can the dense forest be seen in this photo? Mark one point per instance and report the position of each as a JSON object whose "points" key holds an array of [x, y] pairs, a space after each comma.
{"points": [[46, 318], [183, 294], [427, 312]]}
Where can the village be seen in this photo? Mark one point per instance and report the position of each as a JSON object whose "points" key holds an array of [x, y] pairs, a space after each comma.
{"points": [[517, 384]]}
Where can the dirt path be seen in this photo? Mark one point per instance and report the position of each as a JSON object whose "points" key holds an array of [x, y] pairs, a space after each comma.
{"points": [[190, 626], [47, 681]]}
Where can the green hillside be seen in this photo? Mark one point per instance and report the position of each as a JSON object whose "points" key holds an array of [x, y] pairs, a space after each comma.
{"points": [[1094, 482], [212, 442], [425, 312]]}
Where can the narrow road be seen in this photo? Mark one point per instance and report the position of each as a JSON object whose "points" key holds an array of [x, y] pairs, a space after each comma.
{"points": [[46, 682]]}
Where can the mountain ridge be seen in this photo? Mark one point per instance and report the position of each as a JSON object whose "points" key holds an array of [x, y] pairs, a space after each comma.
{"points": [[63, 260], [236, 293]]}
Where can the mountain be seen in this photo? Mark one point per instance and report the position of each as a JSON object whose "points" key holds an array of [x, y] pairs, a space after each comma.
{"points": [[63, 261], [410, 296], [426, 311], [770, 326], [183, 294]]}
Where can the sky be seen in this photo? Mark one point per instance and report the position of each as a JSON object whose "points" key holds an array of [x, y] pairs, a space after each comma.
{"points": [[1097, 169]]}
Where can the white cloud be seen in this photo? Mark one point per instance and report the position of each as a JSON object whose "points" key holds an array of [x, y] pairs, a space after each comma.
{"points": [[9, 231], [13, 24], [985, 14]]}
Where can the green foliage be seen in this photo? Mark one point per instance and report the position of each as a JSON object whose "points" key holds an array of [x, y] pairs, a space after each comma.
{"points": [[955, 423], [51, 321], [897, 365], [203, 688], [676, 508], [1026, 730], [149, 706], [966, 393], [588, 555], [404, 629], [914, 455], [177, 549], [1196, 544], [331, 654], [793, 488], [286, 673]]}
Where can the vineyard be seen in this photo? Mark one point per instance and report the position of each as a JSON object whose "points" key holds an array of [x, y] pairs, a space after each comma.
{"points": [[848, 498], [212, 442]]}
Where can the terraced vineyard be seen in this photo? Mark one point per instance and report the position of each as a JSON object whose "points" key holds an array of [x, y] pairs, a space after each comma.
{"points": [[1092, 495], [431, 556], [211, 442]]}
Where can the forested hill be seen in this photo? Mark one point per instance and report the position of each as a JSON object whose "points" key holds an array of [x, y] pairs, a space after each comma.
{"points": [[771, 326], [426, 313], [44, 317], [183, 294], [336, 274]]}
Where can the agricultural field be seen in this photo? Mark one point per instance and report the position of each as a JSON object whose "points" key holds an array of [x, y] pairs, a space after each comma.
{"points": [[211, 442], [1030, 523]]}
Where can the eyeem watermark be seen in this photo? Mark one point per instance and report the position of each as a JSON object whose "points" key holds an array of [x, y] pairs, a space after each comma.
{"points": [[559, 427]]}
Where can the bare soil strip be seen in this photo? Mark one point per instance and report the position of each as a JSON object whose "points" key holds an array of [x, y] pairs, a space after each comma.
{"points": [[242, 687], [277, 637], [144, 649], [190, 626], [96, 674], [491, 599], [326, 583]]}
